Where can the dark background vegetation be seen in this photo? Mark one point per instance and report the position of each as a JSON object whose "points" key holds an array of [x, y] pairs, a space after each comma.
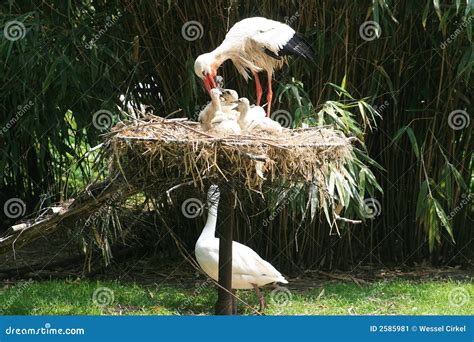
{"points": [[426, 166]]}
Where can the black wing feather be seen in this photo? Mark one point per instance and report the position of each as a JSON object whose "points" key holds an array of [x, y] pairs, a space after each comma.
{"points": [[297, 45]]}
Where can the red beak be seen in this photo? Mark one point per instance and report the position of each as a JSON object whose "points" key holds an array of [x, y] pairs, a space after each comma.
{"points": [[209, 83]]}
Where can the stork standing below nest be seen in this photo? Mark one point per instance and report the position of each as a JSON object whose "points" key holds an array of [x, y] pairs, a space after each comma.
{"points": [[254, 44], [249, 270]]}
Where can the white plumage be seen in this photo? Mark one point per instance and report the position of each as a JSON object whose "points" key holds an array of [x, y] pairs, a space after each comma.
{"points": [[253, 44], [221, 107], [224, 124], [248, 114], [249, 270], [253, 118]]}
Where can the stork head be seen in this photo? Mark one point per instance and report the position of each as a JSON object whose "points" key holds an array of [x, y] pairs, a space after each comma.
{"points": [[243, 104], [215, 94], [229, 95], [206, 69]]}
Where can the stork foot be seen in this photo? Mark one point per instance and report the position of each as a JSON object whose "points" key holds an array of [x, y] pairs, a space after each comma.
{"points": [[261, 299]]}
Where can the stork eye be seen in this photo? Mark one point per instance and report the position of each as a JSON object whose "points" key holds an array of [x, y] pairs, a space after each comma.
{"points": [[204, 73]]}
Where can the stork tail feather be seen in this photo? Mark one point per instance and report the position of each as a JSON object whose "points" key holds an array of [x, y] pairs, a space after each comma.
{"points": [[299, 46]]}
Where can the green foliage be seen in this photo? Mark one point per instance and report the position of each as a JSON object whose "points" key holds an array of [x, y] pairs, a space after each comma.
{"points": [[78, 57], [401, 297]]}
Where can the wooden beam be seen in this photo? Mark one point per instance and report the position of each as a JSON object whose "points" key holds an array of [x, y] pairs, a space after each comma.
{"points": [[225, 234]]}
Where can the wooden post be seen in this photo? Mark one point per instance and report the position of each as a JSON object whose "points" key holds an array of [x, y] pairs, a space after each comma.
{"points": [[225, 234]]}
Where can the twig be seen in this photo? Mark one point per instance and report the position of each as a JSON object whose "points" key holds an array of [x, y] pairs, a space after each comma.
{"points": [[346, 219]]}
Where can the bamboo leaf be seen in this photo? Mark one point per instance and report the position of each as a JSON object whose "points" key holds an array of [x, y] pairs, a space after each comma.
{"points": [[438, 9], [421, 202], [414, 143], [426, 11], [444, 219]]}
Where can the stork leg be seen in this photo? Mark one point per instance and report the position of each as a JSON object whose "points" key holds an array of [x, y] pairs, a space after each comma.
{"points": [[260, 298], [269, 94], [258, 87]]}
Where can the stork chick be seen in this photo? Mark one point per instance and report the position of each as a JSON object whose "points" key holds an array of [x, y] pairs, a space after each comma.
{"points": [[228, 97], [224, 124], [221, 100], [208, 113], [253, 118]]}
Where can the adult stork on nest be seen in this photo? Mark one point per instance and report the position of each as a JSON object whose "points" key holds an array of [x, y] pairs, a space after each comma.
{"points": [[254, 45]]}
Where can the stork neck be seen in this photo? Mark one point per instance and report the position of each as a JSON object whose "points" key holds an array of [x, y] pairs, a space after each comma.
{"points": [[216, 102], [210, 227], [243, 113], [219, 55]]}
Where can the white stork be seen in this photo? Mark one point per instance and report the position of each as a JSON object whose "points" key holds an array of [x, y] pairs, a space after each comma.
{"points": [[253, 45], [249, 270]]}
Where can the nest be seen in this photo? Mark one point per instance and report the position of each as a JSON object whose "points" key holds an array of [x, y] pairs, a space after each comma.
{"points": [[160, 150]]}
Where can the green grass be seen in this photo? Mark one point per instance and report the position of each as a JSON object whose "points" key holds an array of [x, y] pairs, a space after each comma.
{"points": [[400, 297]]}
